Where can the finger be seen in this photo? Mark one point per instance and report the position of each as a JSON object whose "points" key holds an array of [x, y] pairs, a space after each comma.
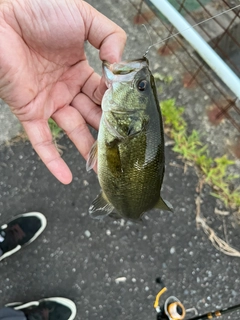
{"points": [[104, 34], [82, 78], [94, 87], [41, 138], [70, 120], [88, 109]]}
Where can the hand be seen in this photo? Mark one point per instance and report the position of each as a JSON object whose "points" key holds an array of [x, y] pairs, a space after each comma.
{"points": [[44, 71]]}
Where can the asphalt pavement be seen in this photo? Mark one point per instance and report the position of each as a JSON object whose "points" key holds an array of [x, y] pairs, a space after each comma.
{"points": [[82, 259]]}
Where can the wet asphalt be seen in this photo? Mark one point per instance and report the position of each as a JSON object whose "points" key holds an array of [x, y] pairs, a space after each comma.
{"points": [[81, 258]]}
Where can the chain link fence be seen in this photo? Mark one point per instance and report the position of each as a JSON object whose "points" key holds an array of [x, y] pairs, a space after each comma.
{"points": [[220, 31]]}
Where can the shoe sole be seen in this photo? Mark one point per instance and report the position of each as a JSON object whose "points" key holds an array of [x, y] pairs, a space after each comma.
{"points": [[63, 301], [43, 220], [13, 304]]}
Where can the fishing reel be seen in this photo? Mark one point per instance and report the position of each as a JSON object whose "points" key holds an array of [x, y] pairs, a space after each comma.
{"points": [[171, 309]]}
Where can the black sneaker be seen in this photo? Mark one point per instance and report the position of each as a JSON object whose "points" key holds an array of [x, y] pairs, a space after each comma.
{"points": [[20, 231], [48, 309]]}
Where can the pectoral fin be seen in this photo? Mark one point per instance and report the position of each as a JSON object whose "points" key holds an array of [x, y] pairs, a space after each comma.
{"points": [[92, 157], [164, 205], [100, 207], [112, 130]]}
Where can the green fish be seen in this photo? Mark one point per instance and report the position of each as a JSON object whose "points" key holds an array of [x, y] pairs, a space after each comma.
{"points": [[129, 150]]}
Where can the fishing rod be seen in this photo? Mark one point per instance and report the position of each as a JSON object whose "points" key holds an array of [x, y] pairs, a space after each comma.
{"points": [[173, 309]]}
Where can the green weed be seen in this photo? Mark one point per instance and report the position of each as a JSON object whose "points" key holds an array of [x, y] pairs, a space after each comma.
{"points": [[55, 129], [163, 78], [173, 115], [213, 171]]}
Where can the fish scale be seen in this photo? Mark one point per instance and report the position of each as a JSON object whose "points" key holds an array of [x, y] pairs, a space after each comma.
{"points": [[130, 144]]}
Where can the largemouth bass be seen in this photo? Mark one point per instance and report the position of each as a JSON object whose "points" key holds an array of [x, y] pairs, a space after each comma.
{"points": [[130, 146]]}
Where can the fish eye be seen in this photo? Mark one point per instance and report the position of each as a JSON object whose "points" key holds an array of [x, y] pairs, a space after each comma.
{"points": [[142, 84]]}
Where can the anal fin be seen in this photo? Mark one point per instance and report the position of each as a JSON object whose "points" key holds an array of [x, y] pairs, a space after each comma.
{"points": [[100, 207]]}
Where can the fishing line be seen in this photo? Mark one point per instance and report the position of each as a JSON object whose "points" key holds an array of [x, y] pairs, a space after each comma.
{"points": [[193, 26], [148, 33]]}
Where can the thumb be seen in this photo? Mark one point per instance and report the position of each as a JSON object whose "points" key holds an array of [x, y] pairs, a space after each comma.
{"points": [[104, 35]]}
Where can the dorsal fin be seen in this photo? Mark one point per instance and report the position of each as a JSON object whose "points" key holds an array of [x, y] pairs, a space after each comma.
{"points": [[164, 205]]}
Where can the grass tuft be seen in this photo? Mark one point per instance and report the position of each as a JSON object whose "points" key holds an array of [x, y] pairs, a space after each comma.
{"points": [[213, 171], [55, 129]]}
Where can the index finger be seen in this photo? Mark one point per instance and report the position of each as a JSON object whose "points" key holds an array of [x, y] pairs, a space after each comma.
{"points": [[104, 35], [40, 136]]}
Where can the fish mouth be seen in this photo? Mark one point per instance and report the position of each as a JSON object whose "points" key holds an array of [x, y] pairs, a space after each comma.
{"points": [[123, 71]]}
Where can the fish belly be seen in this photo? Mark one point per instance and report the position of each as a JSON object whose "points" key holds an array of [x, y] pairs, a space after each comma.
{"points": [[130, 175]]}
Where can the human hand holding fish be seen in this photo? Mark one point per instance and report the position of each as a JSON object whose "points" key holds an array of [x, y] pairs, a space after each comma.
{"points": [[50, 77], [44, 71]]}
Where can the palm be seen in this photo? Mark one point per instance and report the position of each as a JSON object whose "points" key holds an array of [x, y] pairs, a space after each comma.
{"points": [[46, 74]]}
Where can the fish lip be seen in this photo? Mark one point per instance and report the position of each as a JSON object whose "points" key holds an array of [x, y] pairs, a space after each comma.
{"points": [[112, 72], [107, 73], [106, 64], [137, 64]]}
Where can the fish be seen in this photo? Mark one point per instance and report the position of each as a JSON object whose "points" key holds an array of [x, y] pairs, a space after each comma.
{"points": [[129, 151]]}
